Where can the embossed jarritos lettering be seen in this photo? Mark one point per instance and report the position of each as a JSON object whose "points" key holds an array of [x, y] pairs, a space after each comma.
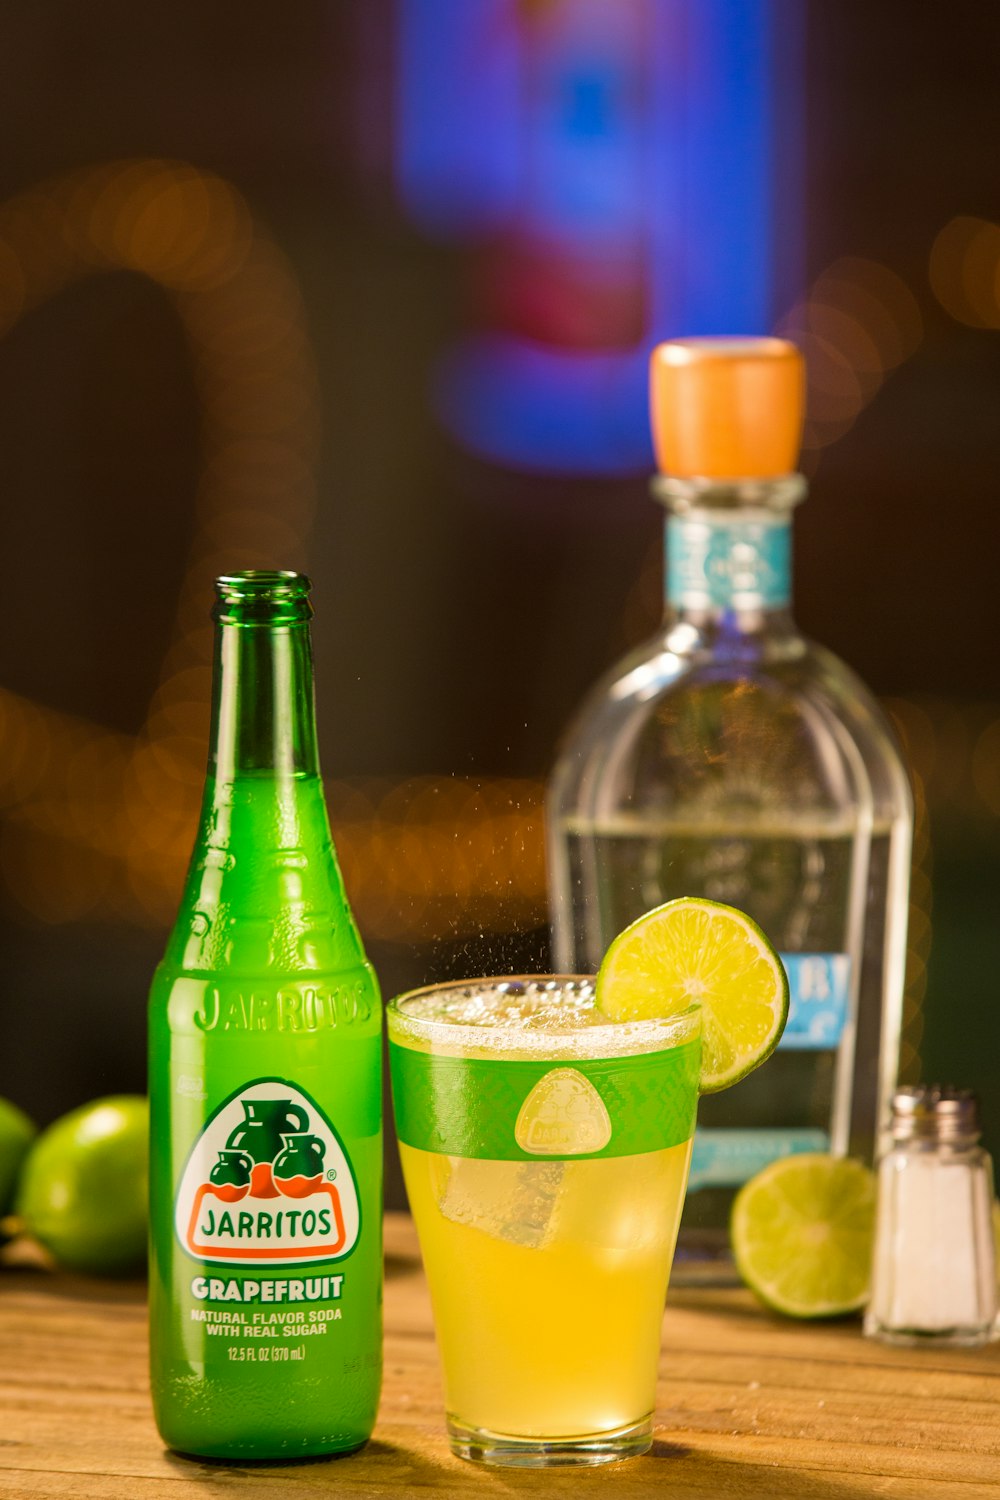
{"points": [[304, 1009], [564, 1115], [268, 1180]]}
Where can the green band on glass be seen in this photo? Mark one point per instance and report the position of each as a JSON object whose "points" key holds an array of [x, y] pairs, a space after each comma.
{"points": [[505, 1109]]}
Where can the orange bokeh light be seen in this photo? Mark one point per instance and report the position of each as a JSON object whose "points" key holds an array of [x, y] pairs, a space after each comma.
{"points": [[965, 271], [857, 323]]}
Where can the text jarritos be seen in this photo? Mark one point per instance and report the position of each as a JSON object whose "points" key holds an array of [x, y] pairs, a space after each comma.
{"points": [[268, 1180]]}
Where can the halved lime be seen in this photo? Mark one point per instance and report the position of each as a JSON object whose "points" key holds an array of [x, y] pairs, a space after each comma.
{"points": [[802, 1232], [692, 951]]}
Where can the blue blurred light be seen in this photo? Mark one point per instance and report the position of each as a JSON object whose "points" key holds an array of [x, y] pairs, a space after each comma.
{"points": [[727, 186], [532, 407], [584, 125], [626, 141], [458, 113]]}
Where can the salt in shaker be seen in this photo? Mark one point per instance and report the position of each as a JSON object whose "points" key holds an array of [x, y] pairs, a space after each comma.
{"points": [[934, 1273]]}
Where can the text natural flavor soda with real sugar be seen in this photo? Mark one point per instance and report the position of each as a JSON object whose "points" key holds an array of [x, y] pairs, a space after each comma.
{"points": [[265, 1083]]}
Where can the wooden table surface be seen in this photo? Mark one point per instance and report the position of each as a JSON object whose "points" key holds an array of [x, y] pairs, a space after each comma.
{"points": [[748, 1404]]}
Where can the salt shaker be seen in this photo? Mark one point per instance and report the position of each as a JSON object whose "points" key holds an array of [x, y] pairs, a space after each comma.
{"points": [[934, 1273]]}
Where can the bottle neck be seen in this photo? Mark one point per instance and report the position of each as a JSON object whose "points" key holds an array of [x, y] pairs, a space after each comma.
{"points": [[728, 551], [263, 714], [263, 848]]}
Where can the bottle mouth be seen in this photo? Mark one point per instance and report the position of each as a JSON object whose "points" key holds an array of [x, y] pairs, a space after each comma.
{"points": [[262, 596]]}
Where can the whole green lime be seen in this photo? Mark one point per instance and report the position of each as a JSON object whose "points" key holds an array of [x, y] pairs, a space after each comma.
{"points": [[84, 1188], [16, 1134]]}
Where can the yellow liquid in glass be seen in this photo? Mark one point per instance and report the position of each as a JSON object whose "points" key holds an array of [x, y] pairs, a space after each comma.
{"points": [[548, 1281]]}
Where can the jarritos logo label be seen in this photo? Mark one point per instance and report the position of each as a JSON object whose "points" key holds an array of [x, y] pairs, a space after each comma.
{"points": [[268, 1181]]}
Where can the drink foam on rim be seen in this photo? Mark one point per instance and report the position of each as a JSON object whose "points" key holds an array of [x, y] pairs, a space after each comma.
{"points": [[527, 1017]]}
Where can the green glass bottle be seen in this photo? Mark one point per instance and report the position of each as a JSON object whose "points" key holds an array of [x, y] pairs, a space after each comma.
{"points": [[265, 1083]]}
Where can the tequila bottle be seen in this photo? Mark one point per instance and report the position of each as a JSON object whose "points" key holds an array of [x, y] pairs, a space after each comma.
{"points": [[731, 758]]}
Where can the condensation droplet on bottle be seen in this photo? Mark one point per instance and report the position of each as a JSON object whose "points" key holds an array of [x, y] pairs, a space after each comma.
{"points": [[308, 949], [256, 943], [201, 922]]}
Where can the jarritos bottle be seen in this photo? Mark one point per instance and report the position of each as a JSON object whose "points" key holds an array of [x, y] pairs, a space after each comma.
{"points": [[265, 1083]]}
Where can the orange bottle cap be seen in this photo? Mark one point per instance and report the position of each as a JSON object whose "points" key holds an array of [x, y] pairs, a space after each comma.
{"points": [[727, 408]]}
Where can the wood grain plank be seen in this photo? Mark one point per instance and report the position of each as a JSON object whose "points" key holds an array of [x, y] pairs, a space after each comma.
{"points": [[748, 1405]]}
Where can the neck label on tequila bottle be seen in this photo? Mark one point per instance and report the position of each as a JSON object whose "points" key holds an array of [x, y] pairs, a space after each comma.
{"points": [[728, 561]]}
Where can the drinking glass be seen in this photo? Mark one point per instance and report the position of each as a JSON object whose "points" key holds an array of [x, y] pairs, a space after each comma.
{"points": [[545, 1151]]}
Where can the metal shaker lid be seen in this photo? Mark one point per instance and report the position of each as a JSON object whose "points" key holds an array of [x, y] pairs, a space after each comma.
{"points": [[935, 1112]]}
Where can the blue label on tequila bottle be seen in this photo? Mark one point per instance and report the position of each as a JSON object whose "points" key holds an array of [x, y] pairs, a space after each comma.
{"points": [[728, 1158], [818, 996]]}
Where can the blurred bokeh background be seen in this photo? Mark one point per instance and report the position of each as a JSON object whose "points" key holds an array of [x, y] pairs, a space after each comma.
{"points": [[368, 288]]}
